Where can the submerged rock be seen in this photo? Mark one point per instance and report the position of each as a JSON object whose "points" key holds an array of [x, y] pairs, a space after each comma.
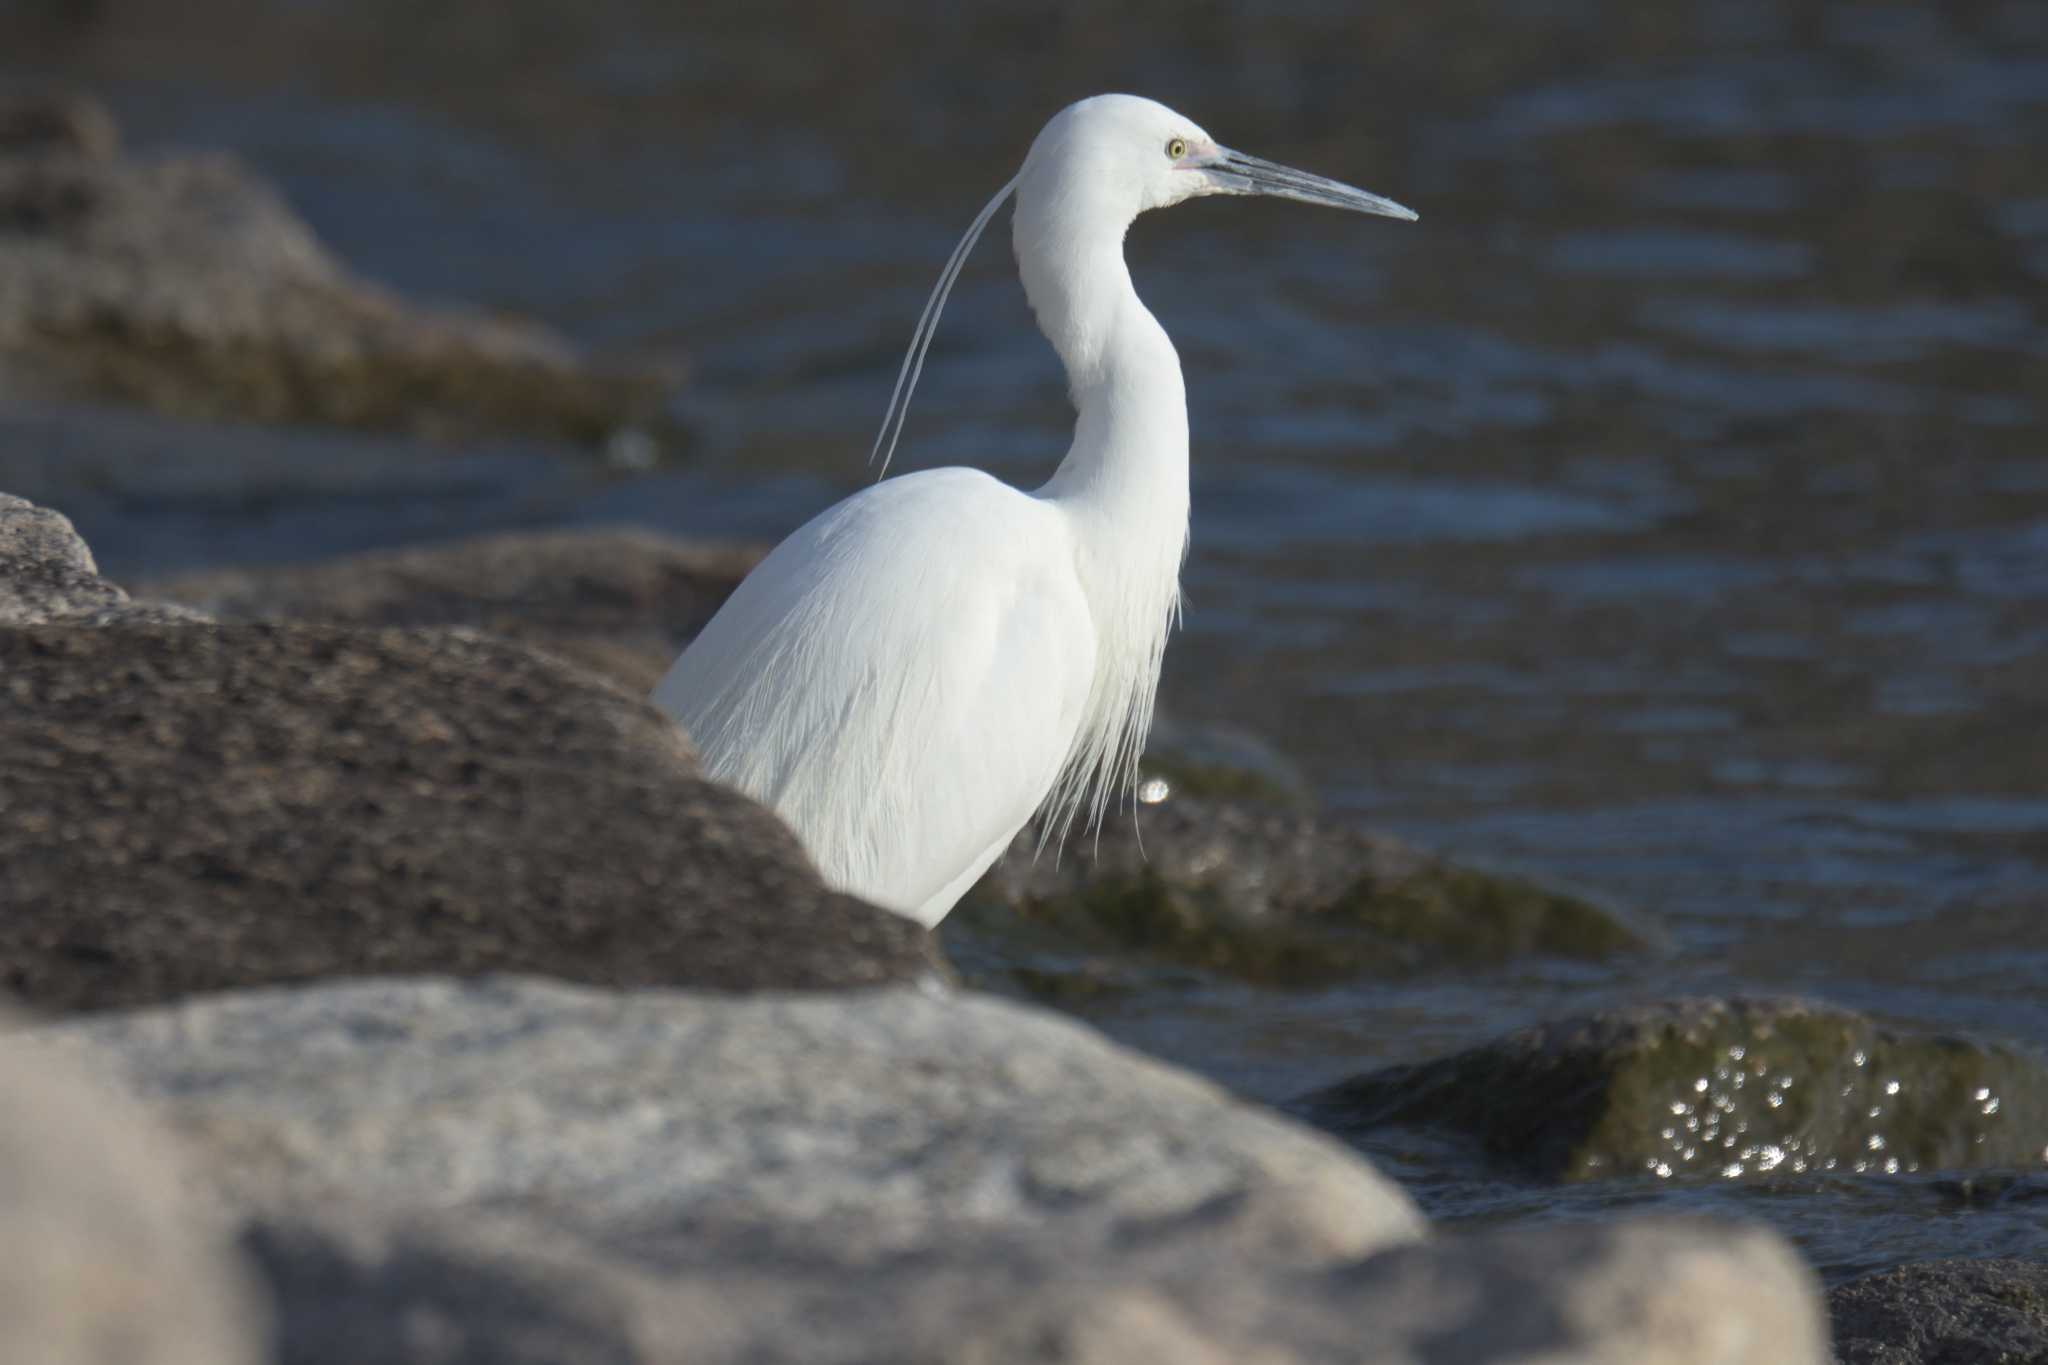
{"points": [[891, 1175], [109, 1257], [1944, 1313], [186, 284], [1276, 895], [1733, 1088], [194, 807], [620, 601], [1217, 762]]}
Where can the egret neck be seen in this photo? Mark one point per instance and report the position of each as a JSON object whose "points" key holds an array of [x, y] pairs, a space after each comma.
{"points": [[1124, 481]]}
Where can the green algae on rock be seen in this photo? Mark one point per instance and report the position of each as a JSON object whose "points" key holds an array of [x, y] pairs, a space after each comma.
{"points": [[185, 284], [1716, 1088], [1277, 896]]}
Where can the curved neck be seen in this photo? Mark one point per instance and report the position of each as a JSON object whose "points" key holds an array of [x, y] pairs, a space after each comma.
{"points": [[1130, 452]]}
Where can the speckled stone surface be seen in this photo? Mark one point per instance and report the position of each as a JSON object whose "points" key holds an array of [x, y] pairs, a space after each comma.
{"points": [[195, 807]]}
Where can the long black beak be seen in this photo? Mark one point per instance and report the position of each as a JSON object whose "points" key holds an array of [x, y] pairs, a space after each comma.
{"points": [[1236, 173]]}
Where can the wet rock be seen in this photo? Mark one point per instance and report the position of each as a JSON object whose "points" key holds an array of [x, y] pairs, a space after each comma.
{"points": [[891, 1175], [1944, 1313], [185, 283], [108, 1257], [1735, 1088], [1276, 895], [1994, 1189], [194, 807], [620, 601]]}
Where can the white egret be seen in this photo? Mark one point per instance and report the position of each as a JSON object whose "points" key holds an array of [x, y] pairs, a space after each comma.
{"points": [[912, 674]]}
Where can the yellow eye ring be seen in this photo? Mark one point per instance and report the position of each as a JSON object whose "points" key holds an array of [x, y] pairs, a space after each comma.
{"points": [[1176, 148]]}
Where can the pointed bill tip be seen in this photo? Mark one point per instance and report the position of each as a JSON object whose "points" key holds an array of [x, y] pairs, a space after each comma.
{"points": [[1237, 173]]}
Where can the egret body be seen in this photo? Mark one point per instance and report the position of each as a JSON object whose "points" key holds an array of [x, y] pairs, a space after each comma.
{"points": [[913, 673]]}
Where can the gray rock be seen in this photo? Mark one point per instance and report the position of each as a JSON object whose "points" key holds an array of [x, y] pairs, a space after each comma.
{"points": [[1725, 1088], [519, 1171], [185, 283], [46, 570], [40, 535], [108, 1260], [540, 1172], [623, 602], [47, 574], [1636, 1292], [898, 1118], [1944, 1313], [1275, 894], [192, 808]]}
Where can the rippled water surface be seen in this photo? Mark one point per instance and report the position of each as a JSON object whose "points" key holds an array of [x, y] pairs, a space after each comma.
{"points": [[1665, 514]]}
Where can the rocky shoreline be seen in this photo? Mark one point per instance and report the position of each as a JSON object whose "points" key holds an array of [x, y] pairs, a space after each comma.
{"points": [[481, 1028], [184, 283]]}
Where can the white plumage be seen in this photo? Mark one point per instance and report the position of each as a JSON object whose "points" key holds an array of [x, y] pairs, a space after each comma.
{"points": [[914, 672]]}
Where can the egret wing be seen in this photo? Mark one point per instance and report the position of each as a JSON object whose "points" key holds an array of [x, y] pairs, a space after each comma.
{"points": [[901, 680]]}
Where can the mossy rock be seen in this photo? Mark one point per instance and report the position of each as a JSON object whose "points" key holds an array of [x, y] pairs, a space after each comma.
{"points": [[1275, 896], [1218, 763], [1716, 1088]]}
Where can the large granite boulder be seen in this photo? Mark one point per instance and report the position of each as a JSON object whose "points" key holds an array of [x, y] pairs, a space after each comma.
{"points": [[185, 283], [899, 1175], [193, 807], [1726, 1088]]}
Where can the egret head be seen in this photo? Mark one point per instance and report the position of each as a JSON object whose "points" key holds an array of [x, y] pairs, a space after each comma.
{"points": [[1097, 165], [1117, 156]]}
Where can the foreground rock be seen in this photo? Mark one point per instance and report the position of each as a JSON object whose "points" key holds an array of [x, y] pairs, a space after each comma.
{"points": [[1648, 1292], [1719, 1088], [622, 602], [186, 284], [1944, 1313], [108, 1258], [194, 807], [1273, 894], [883, 1176]]}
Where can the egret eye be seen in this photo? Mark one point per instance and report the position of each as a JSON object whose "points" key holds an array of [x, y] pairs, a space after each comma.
{"points": [[1176, 148]]}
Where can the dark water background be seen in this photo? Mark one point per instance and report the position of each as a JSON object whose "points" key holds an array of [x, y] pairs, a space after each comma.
{"points": [[1665, 514]]}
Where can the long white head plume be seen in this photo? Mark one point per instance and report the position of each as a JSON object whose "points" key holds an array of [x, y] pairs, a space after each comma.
{"points": [[921, 339]]}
